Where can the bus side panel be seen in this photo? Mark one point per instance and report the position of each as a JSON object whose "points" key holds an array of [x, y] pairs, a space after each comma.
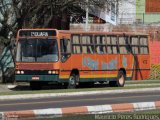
{"points": [[72, 63], [142, 68], [89, 65], [126, 61]]}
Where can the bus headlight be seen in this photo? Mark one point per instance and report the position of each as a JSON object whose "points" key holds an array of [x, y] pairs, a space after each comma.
{"points": [[18, 72], [49, 72], [22, 72], [53, 72]]}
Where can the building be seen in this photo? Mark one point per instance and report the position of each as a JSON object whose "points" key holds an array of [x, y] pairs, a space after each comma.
{"points": [[139, 12]]}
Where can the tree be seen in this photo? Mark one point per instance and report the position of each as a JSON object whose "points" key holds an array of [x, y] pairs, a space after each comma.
{"points": [[18, 14], [51, 13]]}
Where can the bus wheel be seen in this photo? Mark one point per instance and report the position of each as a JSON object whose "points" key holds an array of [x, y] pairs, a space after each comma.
{"points": [[72, 81], [35, 85], [120, 80]]}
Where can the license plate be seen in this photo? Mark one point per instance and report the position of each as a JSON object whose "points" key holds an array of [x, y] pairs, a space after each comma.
{"points": [[35, 78]]}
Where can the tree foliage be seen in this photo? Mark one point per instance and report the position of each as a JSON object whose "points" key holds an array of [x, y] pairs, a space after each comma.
{"points": [[17, 14]]}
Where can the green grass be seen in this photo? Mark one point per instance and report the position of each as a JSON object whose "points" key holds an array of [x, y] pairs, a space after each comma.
{"points": [[98, 88], [143, 82], [74, 90]]}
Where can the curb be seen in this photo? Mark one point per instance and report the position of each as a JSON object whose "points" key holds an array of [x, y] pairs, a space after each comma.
{"points": [[44, 95], [98, 109]]}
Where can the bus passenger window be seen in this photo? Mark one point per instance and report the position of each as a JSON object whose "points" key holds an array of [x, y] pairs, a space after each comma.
{"points": [[143, 41], [76, 44], [123, 50], [135, 44], [115, 51], [144, 45], [87, 44], [112, 46], [76, 39], [124, 46], [100, 44], [101, 49], [76, 49], [135, 50], [144, 50], [109, 49], [134, 41]]}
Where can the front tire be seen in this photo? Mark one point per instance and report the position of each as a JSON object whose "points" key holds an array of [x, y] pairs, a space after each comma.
{"points": [[72, 81]]}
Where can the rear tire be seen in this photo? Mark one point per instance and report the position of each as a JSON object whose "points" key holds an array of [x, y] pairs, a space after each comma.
{"points": [[121, 77]]}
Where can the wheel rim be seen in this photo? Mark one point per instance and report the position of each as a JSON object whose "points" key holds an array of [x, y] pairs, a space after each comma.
{"points": [[121, 80], [71, 81]]}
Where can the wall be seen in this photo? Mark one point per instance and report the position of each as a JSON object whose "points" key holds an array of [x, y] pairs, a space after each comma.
{"points": [[142, 12]]}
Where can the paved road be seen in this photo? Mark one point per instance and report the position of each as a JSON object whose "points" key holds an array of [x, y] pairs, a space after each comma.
{"points": [[58, 102]]}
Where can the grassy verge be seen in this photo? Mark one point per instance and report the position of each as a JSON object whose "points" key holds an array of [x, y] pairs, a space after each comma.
{"points": [[143, 82], [14, 92]]}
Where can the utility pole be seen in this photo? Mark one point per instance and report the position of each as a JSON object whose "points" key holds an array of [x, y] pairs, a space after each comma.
{"points": [[86, 25]]}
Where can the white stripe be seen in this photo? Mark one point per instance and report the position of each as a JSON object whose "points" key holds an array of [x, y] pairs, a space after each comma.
{"points": [[99, 109], [144, 106], [49, 113]]}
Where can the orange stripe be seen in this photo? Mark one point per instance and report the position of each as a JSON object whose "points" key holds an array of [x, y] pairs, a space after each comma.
{"points": [[122, 107], [19, 114], [157, 104], [72, 110]]}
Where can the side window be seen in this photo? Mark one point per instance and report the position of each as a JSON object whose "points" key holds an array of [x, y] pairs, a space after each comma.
{"points": [[112, 46], [76, 44], [87, 44], [100, 44], [144, 45], [135, 44], [124, 47], [65, 49]]}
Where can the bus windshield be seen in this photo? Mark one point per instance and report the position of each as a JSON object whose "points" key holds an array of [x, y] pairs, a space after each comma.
{"points": [[37, 50]]}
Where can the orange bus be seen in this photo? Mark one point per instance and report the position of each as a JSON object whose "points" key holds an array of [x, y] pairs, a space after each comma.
{"points": [[72, 58]]}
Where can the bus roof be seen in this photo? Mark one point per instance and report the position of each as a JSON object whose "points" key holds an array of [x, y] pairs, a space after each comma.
{"points": [[102, 32], [87, 32]]}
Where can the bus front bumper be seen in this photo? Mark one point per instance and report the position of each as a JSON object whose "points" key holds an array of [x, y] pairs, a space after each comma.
{"points": [[28, 78]]}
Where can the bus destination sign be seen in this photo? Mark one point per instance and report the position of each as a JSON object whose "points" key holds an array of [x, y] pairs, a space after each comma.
{"points": [[37, 33]]}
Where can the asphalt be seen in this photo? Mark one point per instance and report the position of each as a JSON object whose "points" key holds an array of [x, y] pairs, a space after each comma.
{"points": [[82, 100]]}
